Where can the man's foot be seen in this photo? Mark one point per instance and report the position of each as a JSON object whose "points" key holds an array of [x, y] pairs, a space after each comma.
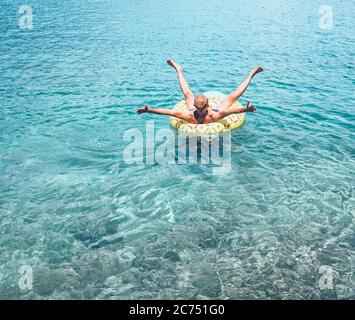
{"points": [[256, 71], [176, 66]]}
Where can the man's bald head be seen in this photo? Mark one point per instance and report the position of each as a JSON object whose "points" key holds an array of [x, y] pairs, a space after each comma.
{"points": [[201, 102]]}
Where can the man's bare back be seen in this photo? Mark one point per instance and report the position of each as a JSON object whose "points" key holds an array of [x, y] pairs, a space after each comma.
{"points": [[199, 110]]}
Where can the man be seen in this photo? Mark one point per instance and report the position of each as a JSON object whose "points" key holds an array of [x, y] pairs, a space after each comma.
{"points": [[199, 111]]}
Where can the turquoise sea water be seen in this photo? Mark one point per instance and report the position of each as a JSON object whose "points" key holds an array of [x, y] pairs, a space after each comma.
{"points": [[92, 227]]}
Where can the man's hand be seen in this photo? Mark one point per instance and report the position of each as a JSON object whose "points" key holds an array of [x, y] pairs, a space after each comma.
{"points": [[143, 110], [250, 107]]}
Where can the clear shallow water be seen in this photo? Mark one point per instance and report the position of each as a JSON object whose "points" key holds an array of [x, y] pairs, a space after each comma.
{"points": [[92, 227]]}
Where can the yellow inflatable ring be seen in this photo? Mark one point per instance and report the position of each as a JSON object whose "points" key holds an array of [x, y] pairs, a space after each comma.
{"points": [[231, 122]]}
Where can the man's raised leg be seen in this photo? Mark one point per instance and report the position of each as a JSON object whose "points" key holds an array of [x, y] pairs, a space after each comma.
{"points": [[233, 97], [189, 97]]}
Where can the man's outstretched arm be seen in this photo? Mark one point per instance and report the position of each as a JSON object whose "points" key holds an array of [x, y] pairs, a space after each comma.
{"points": [[233, 110], [164, 112]]}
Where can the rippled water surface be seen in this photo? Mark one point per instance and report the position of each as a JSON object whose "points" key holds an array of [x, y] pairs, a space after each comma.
{"points": [[93, 227]]}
